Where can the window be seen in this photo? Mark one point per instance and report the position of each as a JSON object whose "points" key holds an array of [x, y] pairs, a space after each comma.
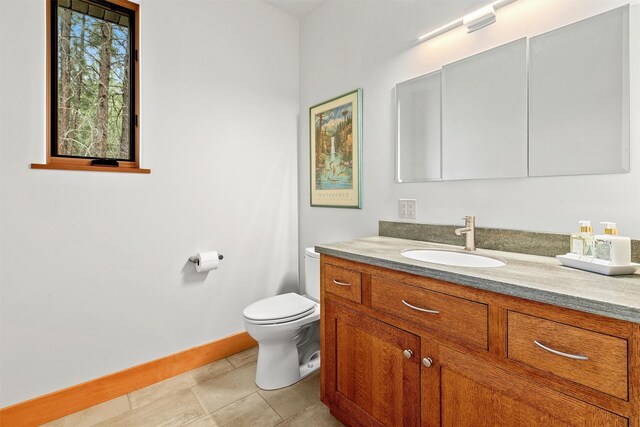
{"points": [[92, 85]]}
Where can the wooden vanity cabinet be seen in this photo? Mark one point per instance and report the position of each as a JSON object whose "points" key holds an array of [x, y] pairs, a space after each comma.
{"points": [[385, 366], [462, 391], [342, 282], [369, 375], [605, 369]]}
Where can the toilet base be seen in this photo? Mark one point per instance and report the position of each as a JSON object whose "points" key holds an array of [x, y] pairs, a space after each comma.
{"points": [[287, 352], [278, 366]]}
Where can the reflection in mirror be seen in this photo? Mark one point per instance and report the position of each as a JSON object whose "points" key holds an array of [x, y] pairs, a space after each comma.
{"points": [[484, 114], [579, 97], [418, 129]]}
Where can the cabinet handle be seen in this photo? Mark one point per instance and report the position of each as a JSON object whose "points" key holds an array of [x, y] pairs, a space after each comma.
{"points": [[560, 353], [341, 283], [407, 354], [427, 362], [424, 310]]}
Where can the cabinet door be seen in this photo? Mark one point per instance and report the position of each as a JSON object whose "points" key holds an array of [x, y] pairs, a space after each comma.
{"points": [[368, 376], [461, 390]]}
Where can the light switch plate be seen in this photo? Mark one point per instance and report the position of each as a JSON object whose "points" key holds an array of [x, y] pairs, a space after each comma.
{"points": [[407, 209]]}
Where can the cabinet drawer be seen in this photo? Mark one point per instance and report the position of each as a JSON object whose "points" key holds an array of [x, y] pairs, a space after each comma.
{"points": [[453, 317], [596, 360], [343, 282]]}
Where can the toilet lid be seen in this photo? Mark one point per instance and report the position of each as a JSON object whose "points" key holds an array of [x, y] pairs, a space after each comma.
{"points": [[279, 307]]}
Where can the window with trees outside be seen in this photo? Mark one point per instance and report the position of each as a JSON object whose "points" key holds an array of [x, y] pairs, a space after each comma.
{"points": [[92, 84]]}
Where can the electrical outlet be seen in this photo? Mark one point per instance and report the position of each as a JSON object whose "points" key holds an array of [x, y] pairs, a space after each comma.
{"points": [[411, 209], [407, 208], [402, 208]]}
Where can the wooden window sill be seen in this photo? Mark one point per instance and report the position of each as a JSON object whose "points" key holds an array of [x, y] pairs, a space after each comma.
{"points": [[89, 168]]}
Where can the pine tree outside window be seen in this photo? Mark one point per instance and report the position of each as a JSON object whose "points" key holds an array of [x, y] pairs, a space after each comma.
{"points": [[92, 85]]}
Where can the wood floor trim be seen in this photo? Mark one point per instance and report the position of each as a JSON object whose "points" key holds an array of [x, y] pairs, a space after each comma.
{"points": [[76, 398]]}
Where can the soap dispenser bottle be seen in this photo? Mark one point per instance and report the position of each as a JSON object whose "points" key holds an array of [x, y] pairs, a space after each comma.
{"points": [[611, 247], [582, 243]]}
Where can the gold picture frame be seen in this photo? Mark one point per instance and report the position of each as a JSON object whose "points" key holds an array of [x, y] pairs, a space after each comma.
{"points": [[335, 133]]}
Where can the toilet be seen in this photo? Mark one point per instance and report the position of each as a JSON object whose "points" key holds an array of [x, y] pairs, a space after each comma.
{"points": [[287, 329]]}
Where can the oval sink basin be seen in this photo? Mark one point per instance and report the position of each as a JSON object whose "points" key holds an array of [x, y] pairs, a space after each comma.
{"points": [[456, 259]]}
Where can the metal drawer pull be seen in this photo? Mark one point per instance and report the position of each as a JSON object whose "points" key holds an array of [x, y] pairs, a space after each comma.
{"points": [[427, 362], [407, 354], [560, 353], [424, 310], [341, 283]]}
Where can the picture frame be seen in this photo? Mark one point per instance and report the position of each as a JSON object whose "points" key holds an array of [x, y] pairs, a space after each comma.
{"points": [[335, 134]]}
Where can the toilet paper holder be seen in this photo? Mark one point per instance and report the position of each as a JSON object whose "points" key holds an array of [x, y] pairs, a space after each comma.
{"points": [[194, 259]]}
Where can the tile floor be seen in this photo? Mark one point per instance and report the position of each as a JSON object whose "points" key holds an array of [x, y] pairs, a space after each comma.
{"points": [[220, 394]]}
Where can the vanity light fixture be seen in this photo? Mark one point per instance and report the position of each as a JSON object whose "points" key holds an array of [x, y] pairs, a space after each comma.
{"points": [[479, 19], [475, 20]]}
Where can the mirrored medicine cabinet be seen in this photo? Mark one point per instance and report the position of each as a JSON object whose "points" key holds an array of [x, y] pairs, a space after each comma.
{"points": [[550, 105]]}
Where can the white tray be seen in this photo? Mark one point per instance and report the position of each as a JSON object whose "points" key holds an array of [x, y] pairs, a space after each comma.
{"points": [[596, 265]]}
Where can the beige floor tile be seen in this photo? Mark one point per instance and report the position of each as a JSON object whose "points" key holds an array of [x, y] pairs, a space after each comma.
{"points": [[317, 415], [227, 388], [244, 357], [290, 400], [206, 421], [219, 395], [211, 370], [179, 382], [174, 410], [159, 390], [250, 411], [94, 414]]}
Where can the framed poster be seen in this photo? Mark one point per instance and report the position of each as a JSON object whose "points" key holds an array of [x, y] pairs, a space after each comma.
{"points": [[335, 128]]}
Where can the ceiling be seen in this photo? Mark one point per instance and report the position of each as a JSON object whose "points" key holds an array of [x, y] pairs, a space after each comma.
{"points": [[296, 8]]}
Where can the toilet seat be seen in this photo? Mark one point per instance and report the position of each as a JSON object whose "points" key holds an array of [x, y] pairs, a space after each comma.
{"points": [[279, 309]]}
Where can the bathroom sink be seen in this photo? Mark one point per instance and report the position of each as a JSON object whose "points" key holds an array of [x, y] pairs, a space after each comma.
{"points": [[456, 259]]}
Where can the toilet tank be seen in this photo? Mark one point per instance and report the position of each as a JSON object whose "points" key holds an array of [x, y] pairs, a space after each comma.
{"points": [[312, 273]]}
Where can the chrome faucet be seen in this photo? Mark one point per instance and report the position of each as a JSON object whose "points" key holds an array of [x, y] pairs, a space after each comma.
{"points": [[469, 230]]}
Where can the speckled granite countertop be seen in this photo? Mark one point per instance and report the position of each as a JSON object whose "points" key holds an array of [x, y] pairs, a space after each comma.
{"points": [[531, 277]]}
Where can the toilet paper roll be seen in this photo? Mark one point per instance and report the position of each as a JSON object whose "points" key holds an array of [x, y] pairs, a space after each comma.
{"points": [[207, 261]]}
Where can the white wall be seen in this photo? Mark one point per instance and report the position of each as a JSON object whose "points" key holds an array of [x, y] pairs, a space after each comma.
{"points": [[94, 277], [111, 287], [369, 44]]}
